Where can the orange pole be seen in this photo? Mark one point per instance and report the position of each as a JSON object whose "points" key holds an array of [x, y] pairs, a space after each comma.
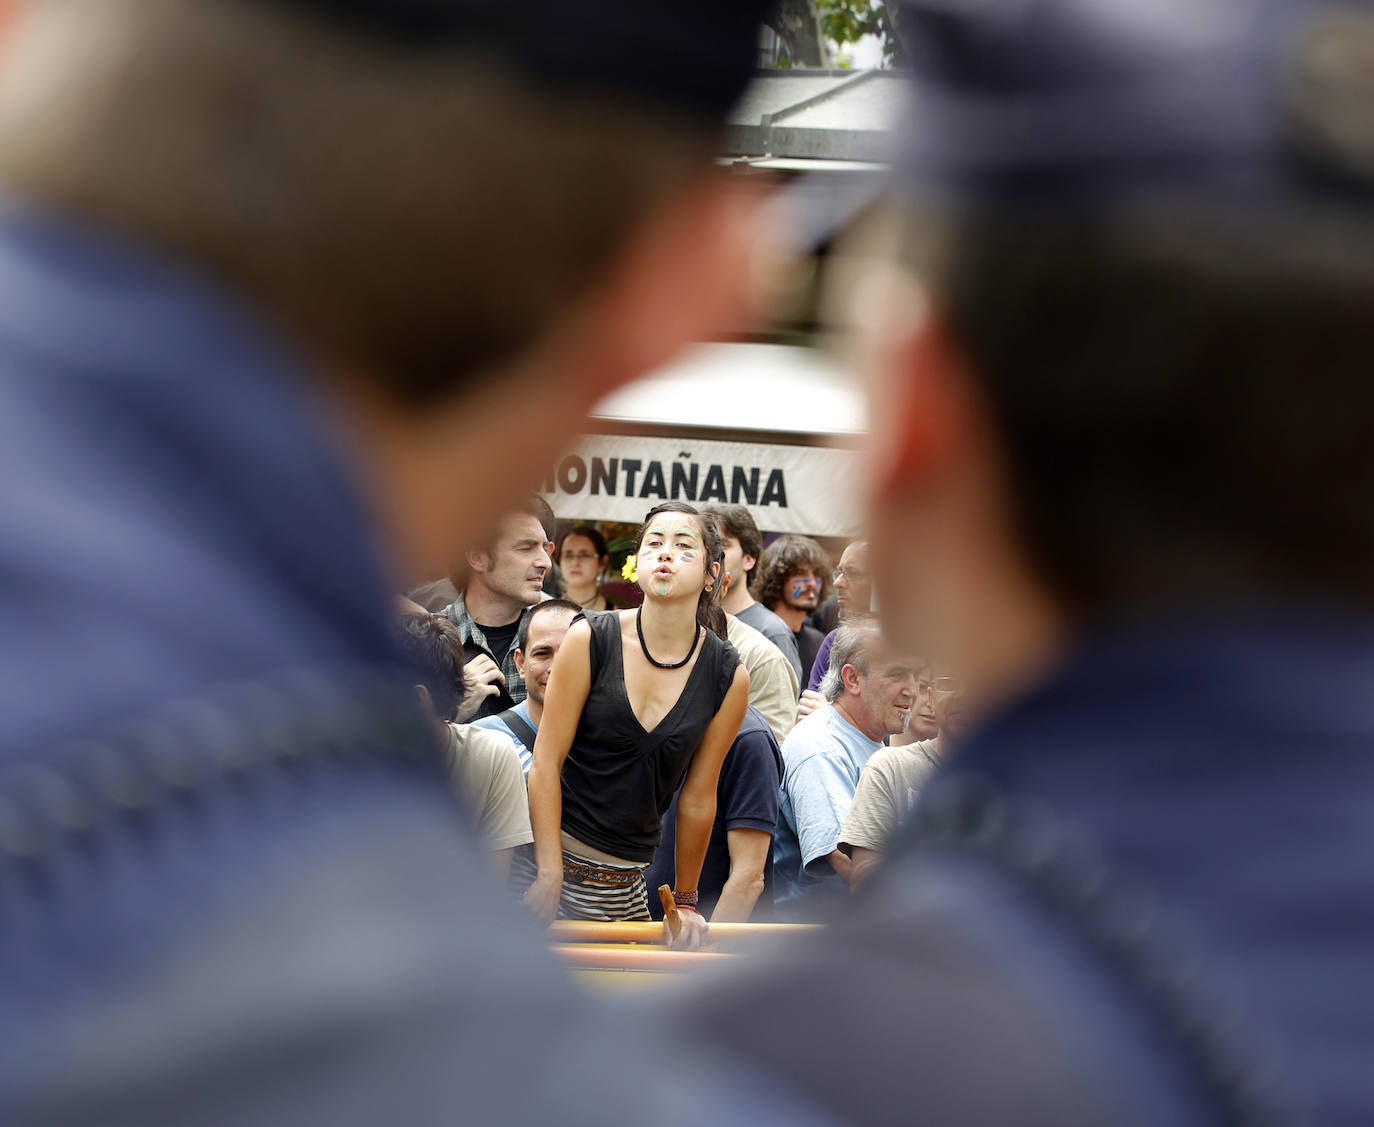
{"points": [[593, 931], [634, 958]]}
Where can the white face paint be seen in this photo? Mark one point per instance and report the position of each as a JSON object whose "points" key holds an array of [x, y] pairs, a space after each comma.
{"points": [[671, 551]]}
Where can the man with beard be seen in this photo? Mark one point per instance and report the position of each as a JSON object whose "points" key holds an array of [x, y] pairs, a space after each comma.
{"points": [[790, 582]]}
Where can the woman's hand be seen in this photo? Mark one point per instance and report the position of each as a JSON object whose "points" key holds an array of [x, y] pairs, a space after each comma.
{"points": [[691, 933], [542, 897]]}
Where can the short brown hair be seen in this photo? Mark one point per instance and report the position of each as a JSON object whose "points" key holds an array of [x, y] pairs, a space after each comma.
{"points": [[1183, 401], [522, 634], [420, 215], [737, 522], [434, 649]]}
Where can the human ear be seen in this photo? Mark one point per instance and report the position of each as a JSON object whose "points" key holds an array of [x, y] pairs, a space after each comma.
{"points": [[682, 274], [686, 274], [478, 561], [520, 662], [849, 677], [917, 377], [928, 397]]}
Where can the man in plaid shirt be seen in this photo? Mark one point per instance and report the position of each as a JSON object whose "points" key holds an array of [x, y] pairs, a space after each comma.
{"points": [[504, 579]]}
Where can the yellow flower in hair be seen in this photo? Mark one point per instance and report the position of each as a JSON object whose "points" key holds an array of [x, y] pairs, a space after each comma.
{"points": [[629, 571]]}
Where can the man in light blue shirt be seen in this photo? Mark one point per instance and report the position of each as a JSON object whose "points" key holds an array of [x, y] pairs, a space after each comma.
{"points": [[541, 633], [871, 689]]}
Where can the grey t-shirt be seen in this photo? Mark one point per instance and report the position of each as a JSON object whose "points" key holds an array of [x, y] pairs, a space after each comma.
{"points": [[776, 631]]}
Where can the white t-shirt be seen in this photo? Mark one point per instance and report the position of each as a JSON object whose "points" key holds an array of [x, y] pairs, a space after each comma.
{"points": [[887, 790], [772, 680], [485, 769]]}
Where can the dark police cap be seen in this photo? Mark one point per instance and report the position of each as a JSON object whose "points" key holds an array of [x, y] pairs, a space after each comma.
{"points": [[1245, 102], [695, 56]]}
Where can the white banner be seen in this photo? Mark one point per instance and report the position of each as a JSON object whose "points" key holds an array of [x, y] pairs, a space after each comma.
{"points": [[806, 489]]}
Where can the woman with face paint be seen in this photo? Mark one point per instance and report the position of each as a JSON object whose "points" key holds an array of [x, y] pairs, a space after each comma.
{"points": [[639, 703]]}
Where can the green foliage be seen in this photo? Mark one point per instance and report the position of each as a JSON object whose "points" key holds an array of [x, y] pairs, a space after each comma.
{"points": [[848, 21]]}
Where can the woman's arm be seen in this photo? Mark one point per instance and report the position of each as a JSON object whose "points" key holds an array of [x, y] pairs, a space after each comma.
{"points": [[696, 803], [569, 682]]}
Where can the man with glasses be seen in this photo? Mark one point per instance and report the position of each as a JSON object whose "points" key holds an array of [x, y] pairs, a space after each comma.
{"points": [[853, 586]]}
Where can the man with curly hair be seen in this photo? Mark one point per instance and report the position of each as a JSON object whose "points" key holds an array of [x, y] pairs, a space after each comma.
{"points": [[791, 583]]}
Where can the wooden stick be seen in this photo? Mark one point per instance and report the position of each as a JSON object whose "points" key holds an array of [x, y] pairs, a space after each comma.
{"points": [[670, 912], [593, 931]]}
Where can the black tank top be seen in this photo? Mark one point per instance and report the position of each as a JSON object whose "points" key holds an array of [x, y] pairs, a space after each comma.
{"points": [[618, 779]]}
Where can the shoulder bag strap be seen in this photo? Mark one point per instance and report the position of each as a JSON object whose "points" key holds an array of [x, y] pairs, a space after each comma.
{"points": [[512, 720]]}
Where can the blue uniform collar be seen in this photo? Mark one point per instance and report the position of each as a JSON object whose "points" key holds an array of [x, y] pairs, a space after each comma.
{"points": [[1221, 763], [1246, 681]]}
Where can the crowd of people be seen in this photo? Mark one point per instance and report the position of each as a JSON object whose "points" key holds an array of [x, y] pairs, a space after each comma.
{"points": [[662, 743]]}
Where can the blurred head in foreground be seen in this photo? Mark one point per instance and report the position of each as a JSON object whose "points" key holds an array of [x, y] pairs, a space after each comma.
{"points": [[1122, 357], [454, 209]]}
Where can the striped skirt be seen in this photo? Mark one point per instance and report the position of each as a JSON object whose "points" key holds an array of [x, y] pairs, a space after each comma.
{"points": [[592, 890]]}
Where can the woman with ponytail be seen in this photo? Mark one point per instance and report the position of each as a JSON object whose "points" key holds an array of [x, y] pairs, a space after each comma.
{"points": [[639, 703]]}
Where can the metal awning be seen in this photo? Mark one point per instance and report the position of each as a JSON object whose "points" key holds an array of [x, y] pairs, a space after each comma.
{"points": [[774, 392], [817, 116]]}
